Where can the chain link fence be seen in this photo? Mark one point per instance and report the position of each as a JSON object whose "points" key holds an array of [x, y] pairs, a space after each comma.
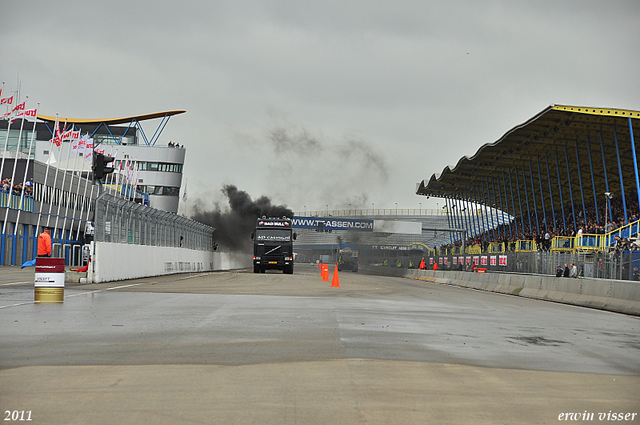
{"points": [[617, 265], [119, 220]]}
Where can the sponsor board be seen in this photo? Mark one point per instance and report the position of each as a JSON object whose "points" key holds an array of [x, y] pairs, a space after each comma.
{"points": [[51, 280], [333, 224], [392, 247], [49, 272]]}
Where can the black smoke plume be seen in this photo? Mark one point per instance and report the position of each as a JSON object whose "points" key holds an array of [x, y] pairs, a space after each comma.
{"points": [[234, 226]]}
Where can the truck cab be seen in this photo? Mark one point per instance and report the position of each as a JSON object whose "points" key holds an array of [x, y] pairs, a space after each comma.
{"points": [[273, 245]]}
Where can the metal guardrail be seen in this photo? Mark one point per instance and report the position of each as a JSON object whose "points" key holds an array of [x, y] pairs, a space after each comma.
{"points": [[24, 203], [119, 220], [622, 265]]}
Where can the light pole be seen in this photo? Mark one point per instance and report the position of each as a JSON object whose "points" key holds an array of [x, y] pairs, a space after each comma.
{"points": [[396, 208], [420, 208], [608, 196], [373, 209]]}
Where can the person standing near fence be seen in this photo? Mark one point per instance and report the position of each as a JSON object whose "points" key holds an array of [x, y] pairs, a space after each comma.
{"points": [[44, 243], [574, 271]]}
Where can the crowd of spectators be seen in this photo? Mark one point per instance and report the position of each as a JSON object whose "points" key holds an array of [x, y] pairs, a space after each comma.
{"points": [[17, 189], [511, 232], [175, 145]]}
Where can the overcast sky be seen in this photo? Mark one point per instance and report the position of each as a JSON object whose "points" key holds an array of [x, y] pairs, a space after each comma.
{"points": [[316, 103]]}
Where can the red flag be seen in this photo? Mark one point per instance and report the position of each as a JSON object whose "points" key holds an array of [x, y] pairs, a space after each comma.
{"points": [[29, 113], [19, 107]]}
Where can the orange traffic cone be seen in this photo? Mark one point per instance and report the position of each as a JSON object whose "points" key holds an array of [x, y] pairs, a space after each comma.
{"points": [[325, 273], [335, 282]]}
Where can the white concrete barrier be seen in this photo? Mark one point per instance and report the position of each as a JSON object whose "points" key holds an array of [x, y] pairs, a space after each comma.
{"points": [[112, 261], [621, 296]]}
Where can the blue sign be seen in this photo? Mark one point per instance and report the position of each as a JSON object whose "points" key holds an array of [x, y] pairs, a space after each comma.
{"points": [[333, 223]]}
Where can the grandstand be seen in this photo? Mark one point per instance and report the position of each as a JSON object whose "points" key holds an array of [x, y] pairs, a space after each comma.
{"points": [[567, 179]]}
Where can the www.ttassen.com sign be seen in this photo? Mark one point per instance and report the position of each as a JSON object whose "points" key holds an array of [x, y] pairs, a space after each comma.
{"points": [[333, 223]]}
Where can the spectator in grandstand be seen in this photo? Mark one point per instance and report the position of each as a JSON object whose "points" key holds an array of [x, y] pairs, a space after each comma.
{"points": [[547, 241], [6, 184]]}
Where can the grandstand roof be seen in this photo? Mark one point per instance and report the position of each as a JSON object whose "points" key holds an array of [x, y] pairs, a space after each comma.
{"points": [[577, 136], [112, 121]]}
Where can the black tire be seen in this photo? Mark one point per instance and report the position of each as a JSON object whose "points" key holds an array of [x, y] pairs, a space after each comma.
{"points": [[256, 269], [262, 270], [288, 270]]}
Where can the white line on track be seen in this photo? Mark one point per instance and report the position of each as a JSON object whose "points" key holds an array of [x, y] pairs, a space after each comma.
{"points": [[14, 283], [98, 290]]}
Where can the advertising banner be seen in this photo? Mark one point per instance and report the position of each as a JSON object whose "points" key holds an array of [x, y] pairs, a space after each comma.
{"points": [[49, 272], [323, 223], [49, 280]]}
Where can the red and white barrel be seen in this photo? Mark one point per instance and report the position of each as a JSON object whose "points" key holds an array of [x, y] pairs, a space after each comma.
{"points": [[49, 280]]}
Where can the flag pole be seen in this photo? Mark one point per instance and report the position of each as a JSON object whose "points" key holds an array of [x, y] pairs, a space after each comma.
{"points": [[55, 180], [13, 176], [64, 178], [134, 174], [6, 142], [84, 193], [184, 196], [77, 194], [26, 168], [46, 173]]}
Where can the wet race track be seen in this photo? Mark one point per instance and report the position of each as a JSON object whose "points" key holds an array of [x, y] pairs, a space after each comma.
{"points": [[238, 347]]}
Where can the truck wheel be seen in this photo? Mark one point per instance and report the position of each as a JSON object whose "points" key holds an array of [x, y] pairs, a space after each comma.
{"points": [[261, 270], [288, 270], [256, 269]]}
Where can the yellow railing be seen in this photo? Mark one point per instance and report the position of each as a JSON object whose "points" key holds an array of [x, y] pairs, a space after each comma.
{"points": [[562, 243], [474, 249], [526, 246], [624, 232], [584, 242], [496, 247]]}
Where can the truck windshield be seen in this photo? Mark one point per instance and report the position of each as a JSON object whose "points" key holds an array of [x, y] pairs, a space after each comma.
{"points": [[273, 235]]}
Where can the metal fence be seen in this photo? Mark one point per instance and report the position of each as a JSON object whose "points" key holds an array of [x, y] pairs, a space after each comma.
{"points": [[613, 265], [119, 220]]}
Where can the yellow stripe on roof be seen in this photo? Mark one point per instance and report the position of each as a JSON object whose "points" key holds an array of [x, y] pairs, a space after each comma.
{"points": [[598, 111], [121, 120]]}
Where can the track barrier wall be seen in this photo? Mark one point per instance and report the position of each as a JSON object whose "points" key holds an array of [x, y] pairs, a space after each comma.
{"points": [[611, 295], [114, 261]]}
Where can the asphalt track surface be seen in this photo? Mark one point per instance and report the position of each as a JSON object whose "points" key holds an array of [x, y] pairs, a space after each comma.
{"points": [[238, 347]]}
